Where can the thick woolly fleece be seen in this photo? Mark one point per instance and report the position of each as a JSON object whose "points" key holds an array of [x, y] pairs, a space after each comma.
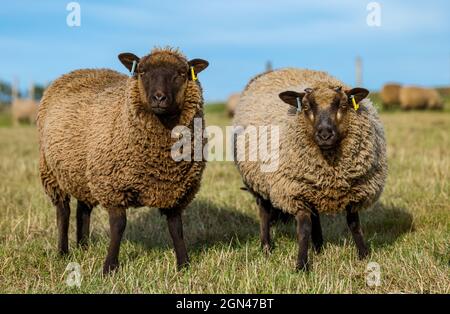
{"points": [[355, 175], [99, 144]]}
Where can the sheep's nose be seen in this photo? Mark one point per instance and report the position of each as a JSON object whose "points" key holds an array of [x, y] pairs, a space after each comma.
{"points": [[159, 96], [325, 133]]}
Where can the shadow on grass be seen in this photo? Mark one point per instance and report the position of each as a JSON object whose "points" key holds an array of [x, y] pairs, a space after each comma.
{"points": [[205, 224], [382, 226]]}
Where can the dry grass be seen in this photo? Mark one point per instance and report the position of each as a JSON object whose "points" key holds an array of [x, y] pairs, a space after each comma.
{"points": [[409, 230]]}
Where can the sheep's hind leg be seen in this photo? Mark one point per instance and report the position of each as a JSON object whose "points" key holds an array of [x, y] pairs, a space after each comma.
{"points": [[175, 225], [316, 234], [83, 222], [265, 215], [62, 220], [117, 224], [303, 233], [355, 228]]}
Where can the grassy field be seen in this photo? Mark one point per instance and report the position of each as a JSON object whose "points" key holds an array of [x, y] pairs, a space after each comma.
{"points": [[409, 230]]}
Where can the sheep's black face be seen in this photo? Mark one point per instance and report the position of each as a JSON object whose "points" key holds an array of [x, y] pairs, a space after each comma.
{"points": [[325, 114], [326, 132], [163, 78], [325, 109], [164, 87]]}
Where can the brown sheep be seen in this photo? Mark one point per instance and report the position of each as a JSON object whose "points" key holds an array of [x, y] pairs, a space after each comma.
{"points": [[414, 97], [332, 154], [232, 101], [23, 110], [106, 139], [390, 95], [435, 101]]}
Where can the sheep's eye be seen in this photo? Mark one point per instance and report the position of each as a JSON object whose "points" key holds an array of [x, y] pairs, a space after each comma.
{"points": [[179, 76], [307, 105]]}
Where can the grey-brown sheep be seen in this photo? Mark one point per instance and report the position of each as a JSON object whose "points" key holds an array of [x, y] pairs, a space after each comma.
{"points": [[414, 97], [332, 157], [390, 95], [105, 139]]}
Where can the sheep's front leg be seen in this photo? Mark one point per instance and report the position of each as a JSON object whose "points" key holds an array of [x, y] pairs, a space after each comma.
{"points": [[355, 228], [62, 220], [83, 221], [316, 235], [264, 227], [303, 233], [175, 224], [117, 224]]}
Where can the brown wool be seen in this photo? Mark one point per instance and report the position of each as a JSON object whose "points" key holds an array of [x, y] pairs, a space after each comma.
{"points": [[100, 145], [354, 175]]}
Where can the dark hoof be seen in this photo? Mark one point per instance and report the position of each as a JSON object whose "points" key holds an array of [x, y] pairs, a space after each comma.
{"points": [[83, 244], [267, 249], [318, 248], [110, 267], [363, 253], [183, 265], [302, 267], [63, 252]]}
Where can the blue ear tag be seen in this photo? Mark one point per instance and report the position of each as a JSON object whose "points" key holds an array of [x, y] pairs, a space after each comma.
{"points": [[299, 105], [133, 67]]}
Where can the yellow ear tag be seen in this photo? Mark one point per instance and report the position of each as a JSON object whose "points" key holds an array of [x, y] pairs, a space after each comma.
{"points": [[355, 105], [194, 77]]}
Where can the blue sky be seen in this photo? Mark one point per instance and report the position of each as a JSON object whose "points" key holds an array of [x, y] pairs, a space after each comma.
{"points": [[412, 45]]}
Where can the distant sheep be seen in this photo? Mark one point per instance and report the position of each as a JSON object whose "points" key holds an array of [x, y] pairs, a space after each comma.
{"points": [[105, 139], [23, 110], [232, 101], [390, 95], [414, 97], [332, 157], [435, 101]]}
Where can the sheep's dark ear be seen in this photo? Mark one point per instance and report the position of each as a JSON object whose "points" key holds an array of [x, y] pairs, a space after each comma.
{"points": [[198, 64], [127, 59], [358, 92], [290, 97]]}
